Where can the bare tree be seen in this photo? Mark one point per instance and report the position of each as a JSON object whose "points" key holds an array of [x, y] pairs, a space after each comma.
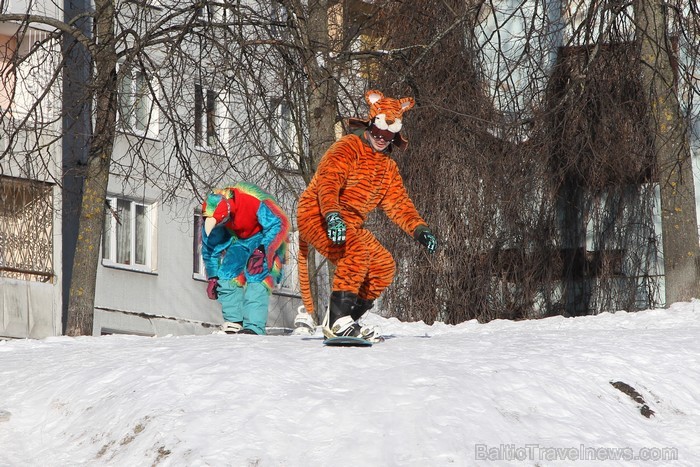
{"points": [[237, 90], [81, 300], [531, 154], [529, 146], [174, 66]]}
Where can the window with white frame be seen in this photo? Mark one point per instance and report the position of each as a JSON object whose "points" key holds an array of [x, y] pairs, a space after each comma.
{"points": [[129, 234], [198, 271], [206, 127], [28, 61], [136, 107]]}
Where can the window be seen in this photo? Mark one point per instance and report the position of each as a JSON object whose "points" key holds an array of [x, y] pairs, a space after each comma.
{"points": [[129, 234], [26, 229], [28, 62], [198, 271], [284, 150], [211, 13], [278, 20], [205, 124], [136, 109]]}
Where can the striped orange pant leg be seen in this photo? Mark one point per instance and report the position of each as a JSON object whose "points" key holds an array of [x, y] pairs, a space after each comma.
{"points": [[366, 267]]}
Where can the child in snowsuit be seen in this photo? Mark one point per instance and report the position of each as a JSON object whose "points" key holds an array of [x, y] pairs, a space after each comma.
{"points": [[244, 241], [355, 176]]}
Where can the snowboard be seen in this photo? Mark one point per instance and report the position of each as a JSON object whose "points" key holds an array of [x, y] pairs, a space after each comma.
{"points": [[347, 341]]}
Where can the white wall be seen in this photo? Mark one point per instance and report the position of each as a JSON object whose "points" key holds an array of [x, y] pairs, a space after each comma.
{"points": [[28, 309]]}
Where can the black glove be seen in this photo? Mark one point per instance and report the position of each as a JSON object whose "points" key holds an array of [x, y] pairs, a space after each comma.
{"points": [[426, 238], [336, 228]]}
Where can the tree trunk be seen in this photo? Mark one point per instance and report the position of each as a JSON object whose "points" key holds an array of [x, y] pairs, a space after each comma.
{"points": [[668, 132], [322, 92], [81, 303], [323, 98]]}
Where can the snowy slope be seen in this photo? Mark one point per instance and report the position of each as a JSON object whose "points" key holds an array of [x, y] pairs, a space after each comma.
{"points": [[502, 393]]}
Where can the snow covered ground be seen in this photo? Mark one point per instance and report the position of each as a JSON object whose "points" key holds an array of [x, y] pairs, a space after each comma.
{"points": [[533, 393]]}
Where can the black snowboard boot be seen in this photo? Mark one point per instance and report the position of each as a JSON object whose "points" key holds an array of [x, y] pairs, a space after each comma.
{"points": [[340, 320], [361, 306]]}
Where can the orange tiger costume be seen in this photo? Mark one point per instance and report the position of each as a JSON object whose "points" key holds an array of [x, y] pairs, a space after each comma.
{"points": [[353, 178]]}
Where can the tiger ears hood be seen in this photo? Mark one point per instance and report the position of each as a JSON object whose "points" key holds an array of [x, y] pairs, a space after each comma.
{"points": [[388, 111], [392, 108]]}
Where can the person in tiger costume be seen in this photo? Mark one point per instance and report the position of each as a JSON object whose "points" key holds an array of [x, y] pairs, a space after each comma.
{"points": [[354, 177], [244, 244]]}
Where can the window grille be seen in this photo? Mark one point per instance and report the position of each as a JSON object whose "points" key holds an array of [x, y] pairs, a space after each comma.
{"points": [[26, 229]]}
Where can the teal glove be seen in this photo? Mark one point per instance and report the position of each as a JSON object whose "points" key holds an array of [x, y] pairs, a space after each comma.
{"points": [[336, 228], [426, 238]]}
